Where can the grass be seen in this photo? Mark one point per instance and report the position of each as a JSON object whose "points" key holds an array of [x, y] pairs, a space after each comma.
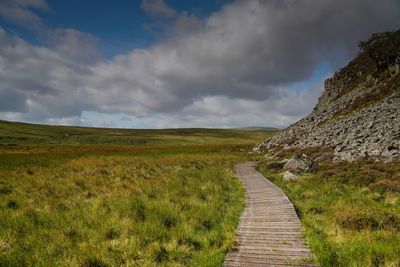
{"points": [[350, 212], [73, 196]]}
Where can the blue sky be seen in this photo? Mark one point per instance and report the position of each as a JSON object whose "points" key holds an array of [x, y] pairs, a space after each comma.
{"points": [[175, 63], [120, 25]]}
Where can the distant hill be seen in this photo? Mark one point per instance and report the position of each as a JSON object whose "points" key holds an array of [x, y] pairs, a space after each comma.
{"points": [[12, 133], [358, 114], [256, 128]]}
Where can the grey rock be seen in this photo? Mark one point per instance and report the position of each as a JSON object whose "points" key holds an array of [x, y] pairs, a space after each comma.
{"points": [[289, 176], [300, 163]]}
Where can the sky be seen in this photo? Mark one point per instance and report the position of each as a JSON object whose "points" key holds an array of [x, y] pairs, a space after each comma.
{"points": [[177, 63]]}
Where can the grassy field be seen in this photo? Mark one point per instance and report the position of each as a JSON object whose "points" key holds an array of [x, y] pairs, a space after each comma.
{"points": [[73, 196], [350, 212]]}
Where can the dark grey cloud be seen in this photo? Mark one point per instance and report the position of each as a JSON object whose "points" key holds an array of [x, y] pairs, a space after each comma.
{"points": [[12, 100], [231, 68], [251, 47]]}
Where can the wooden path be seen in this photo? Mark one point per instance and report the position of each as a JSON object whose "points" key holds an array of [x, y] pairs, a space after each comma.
{"points": [[269, 232]]}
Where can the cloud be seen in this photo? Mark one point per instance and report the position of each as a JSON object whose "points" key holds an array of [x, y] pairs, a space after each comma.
{"points": [[222, 111], [44, 81], [158, 8], [245, 51], [74, 45], [70, 43], [233, 68], [12, 100], [21, 12], [169, 22]]}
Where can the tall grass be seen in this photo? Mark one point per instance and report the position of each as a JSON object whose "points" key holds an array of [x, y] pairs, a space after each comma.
{"points": [[168, 203], [350, 212]]}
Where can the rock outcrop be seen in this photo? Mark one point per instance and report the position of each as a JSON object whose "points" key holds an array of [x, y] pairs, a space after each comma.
{"points": [[358, 114], [300, 163]]}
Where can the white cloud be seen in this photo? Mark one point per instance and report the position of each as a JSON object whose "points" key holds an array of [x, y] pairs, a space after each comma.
{"points": [[221, 111], [74, 45]]}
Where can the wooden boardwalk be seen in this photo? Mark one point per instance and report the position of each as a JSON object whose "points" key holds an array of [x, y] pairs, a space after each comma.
{"points": [[269, 232]]}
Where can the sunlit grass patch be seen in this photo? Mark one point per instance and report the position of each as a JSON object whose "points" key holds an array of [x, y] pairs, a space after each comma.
{"points": [[174, 201], [350, 212], [171, 213]]}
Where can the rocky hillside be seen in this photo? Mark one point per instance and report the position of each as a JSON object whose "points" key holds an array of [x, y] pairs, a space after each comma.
{"points": [[358, 114]]}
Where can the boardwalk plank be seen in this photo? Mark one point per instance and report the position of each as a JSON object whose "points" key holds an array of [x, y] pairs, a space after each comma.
{"points": [[269, 232]]}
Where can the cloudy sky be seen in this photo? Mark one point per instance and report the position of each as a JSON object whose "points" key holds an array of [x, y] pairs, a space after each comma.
{"points": [[177, 63]]}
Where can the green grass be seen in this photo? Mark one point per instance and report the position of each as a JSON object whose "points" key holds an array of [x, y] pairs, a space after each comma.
{"points": [[350, 212], [73, 196], [14, 134]]}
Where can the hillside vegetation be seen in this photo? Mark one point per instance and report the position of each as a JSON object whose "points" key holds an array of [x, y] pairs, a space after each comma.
{"points": [[73, 196], [350, 212]]}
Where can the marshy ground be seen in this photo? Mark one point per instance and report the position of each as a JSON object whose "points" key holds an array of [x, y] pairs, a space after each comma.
{"points": [[74, 196]]}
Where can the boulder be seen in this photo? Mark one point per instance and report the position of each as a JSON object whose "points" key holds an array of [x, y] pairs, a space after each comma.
{"points": [[276, 165], [289, 176], [300, 163]]}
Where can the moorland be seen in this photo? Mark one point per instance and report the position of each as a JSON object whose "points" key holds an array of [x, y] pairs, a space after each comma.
{"points": [[72, 196]]}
